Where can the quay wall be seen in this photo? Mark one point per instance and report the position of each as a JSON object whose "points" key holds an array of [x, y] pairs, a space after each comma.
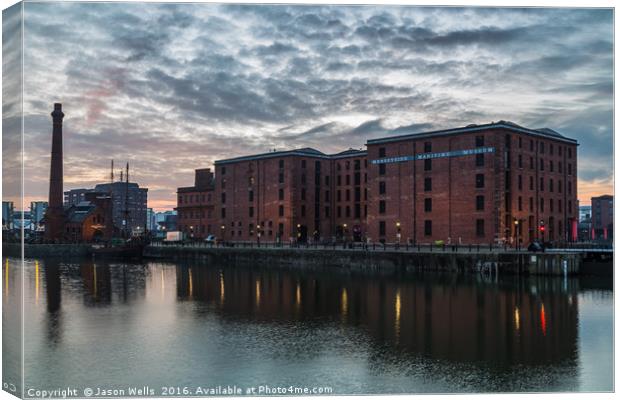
{"points": [[378, 261]]}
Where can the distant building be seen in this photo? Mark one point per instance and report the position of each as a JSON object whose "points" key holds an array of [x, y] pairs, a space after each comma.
{"points": [[585, 213], [37, 212], [7, 215], [603, 217], [22, 220], [150, 219], [129, 205], [74, 197]]}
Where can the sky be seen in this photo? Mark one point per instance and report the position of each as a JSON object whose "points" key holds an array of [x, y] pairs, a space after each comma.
{"points": [[173, 87]]}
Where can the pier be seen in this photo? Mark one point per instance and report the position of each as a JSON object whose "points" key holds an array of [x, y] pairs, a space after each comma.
{"points": [[392, 259]]}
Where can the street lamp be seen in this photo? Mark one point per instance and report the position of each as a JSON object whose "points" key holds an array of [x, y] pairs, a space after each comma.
{"points": [[258, 234], [398, 232], [223, 228], [298, 232], [517, 234]]}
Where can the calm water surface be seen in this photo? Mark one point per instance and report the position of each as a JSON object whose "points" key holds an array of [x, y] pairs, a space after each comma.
{"points": [[114, 325]]}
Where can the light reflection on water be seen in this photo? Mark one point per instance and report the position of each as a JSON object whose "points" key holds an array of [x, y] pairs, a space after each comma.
{"points": [[114, 324]]}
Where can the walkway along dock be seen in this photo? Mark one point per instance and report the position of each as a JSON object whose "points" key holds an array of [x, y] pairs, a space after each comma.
{"points": [[482, 259]]}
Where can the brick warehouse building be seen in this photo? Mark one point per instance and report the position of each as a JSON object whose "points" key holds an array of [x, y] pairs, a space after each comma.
{"points": [[292, 195], [195, 206], [476, 184]]}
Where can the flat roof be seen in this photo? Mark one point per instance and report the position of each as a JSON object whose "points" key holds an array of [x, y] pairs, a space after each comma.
{"points": [[304, 152], [542, 132]]}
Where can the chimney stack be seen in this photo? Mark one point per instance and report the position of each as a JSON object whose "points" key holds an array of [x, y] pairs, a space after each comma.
{"points": [[55, 213]]}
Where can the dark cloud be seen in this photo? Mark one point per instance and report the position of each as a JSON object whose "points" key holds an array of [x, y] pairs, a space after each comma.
{"points": [[173, 87]]}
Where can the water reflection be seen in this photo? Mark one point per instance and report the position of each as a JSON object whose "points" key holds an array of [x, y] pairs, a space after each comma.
{"points": [[458, 321]]}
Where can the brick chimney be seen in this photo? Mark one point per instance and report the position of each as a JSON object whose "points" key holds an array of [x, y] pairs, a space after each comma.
{"points": [[54, 217]]}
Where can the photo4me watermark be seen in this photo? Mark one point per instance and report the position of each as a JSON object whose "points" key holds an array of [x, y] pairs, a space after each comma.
{"points": [[177, 391]]}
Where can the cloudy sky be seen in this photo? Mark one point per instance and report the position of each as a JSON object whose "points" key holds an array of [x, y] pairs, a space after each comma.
{"points": [[171, 88]]}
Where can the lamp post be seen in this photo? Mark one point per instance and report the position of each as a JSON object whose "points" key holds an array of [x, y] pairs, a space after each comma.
{"points": [[223, 229], [517, 234], [258, 235], [298, 233], [344, 232], [398, 232]]}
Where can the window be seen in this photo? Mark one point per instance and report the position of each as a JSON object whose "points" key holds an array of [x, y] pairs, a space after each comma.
{"points": [[281, 211], [338, 195], [519, 182], [303, 211], [428, 184], [428, 205], [381, 228], [357, 179], [223, 183], [542, 205], [338, 211], [381, 152], [551, 165], [326, 180], [479, 203], [551, 205], [531, 145], [251, 212], [520, 204], [348, 179], [358, 194], [348, 194], [281, 164], [479, 181], [357, 210], [348, 211], [428, 164], [381, 206], [303, 163], [223, 213], [570, 168], [326, 212], [303, 193], [531, 162], [223, 198], [559, 205], [541, 147], [382, 187], [570, 187], [428, 227], [223, 171], [531, 204], [560, 166], [570, 153], [303, 179], [327, 195], [560, 186], [479, 141], [356, 165], [251, 195], [551, 185], [520, 142], [428, 147], [520, 159], [479, 160], [281, 194], [339, 180], [281, 177], [479, 227], [542, 164], [542, 184], [550, 149], [531, 183], [507, 141], [381, 169]]}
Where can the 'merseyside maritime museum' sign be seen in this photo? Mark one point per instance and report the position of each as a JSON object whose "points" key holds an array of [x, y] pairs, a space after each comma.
{"points": [[426, 156]]}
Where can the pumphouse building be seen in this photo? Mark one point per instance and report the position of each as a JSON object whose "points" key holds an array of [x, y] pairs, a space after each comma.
{"points": [[498, 182]]}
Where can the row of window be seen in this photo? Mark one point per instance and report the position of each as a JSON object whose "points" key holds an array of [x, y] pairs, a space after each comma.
{"points": [[428, 227], [479, 142], [193, 198]]}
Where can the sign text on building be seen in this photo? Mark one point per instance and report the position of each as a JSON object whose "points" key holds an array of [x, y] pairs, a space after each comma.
{"points": [[425, 156]]}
